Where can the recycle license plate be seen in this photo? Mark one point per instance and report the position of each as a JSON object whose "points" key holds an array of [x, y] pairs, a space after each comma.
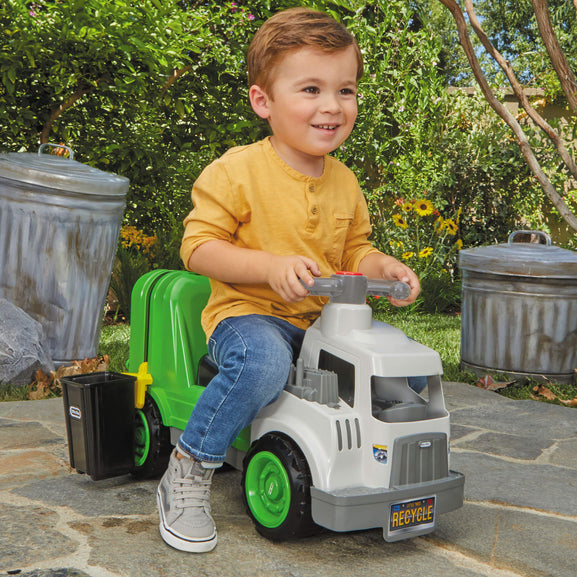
{"points": [[411, 516]]}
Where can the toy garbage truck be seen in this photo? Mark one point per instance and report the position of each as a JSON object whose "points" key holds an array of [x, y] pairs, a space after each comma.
{"points": [[348, 445]]}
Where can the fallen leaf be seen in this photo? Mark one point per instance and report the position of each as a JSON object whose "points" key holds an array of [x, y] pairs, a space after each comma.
{"points": [[543, 391], [485, 382], [41, 386], [571, 403], [488, 383]]}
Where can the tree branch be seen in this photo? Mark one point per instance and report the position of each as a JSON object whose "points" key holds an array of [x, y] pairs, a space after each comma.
{"points": [[76, 95], [83, 90], [520, 93], [504, 113], [560, 64], [177, 74]]}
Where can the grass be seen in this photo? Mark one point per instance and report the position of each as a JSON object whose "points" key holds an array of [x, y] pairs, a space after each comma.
{"points": [[10, 392], [526, 388], [439, 332], [114, 342]]}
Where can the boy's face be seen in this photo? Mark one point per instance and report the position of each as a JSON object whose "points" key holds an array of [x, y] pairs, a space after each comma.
{"points": [[311, 107]]}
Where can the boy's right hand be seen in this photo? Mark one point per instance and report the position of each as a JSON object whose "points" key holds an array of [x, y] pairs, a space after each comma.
{"points": [[286, 272]]}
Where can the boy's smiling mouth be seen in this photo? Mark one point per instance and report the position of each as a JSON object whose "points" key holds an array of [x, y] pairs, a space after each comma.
{"points": [[326, 126]]}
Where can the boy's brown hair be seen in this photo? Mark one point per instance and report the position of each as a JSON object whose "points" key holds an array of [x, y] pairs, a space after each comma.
{"points": [[290, 30]]}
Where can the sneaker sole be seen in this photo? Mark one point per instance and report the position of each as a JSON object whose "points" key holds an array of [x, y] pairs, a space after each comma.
{"points": [[180, 543]]}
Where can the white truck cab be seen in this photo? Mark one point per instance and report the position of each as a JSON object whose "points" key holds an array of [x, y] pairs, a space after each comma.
{"points": [[377, 451]]}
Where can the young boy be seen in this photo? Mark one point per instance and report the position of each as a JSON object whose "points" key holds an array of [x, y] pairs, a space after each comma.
{"points": [[266, 217]]}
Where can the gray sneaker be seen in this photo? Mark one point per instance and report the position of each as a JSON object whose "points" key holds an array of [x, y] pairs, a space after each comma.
{"points": [[183, 497]]}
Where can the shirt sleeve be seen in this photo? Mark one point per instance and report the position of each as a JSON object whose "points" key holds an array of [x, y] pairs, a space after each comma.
{"points": [[218, 210], [357, 245]]}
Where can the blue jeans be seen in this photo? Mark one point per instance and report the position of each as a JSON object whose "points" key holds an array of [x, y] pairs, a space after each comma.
{"points": [[253, 354], [418, 384]]}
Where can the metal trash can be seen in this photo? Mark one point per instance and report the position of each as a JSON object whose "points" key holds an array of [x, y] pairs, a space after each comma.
{"points": [[519, 309], [59, 227]]}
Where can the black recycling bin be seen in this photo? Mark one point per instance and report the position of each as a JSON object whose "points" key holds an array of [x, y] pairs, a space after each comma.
{"points": [[99, 410]]}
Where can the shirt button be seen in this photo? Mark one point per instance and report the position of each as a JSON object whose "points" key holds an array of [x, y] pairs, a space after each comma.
{"points": [[311, 187], [315, 209]]}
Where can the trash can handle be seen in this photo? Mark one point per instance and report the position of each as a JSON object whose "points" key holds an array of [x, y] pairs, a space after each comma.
{"points": [[62, 147], [537, 232]]}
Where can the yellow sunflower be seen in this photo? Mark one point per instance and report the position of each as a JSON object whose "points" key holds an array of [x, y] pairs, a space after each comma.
{"points": [[451, 226], [407, 207], [400, 221], [426, 252], [407, 255], [424, 207], [459, 244]]}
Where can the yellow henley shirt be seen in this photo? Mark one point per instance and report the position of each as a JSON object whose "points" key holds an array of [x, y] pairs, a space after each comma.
{"points": [[251, 198]]}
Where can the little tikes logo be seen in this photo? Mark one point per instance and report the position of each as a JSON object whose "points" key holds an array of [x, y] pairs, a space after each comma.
{"points": [[75, 412], [381, 453]]}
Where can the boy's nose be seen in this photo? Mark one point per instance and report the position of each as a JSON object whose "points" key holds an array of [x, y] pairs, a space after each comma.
{"points": [[331, 104]]}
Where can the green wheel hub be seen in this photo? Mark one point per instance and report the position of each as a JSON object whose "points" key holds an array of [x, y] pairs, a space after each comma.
{"points": [[268, 490], [141, 439]]}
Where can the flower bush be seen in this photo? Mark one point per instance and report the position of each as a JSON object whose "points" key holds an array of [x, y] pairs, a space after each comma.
{"points": [[420, 236], [133, 239]]}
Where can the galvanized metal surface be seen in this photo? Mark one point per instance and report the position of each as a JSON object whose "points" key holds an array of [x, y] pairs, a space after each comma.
{"points": [[57, 246], [520, 323]]}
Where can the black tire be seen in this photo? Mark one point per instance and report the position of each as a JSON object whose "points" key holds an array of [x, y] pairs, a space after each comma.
{"points": [[276, 483], [152, 442]]}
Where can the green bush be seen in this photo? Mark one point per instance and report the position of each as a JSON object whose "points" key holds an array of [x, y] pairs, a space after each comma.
{"points": [[163, 91]]}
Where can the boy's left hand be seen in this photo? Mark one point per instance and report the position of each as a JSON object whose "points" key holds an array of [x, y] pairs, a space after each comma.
{"points": [[378, 265], [402, 272]]}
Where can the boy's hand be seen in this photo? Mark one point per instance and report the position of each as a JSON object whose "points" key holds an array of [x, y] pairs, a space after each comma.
{"points": [[402, 272], [284, 273], [378, 265]]}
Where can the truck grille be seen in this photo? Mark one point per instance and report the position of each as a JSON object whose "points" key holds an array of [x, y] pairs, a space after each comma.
{"points": [[419, 459]]}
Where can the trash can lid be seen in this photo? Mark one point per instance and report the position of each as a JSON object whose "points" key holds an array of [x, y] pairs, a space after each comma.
{"points": [[60, 173], [521, 258]]}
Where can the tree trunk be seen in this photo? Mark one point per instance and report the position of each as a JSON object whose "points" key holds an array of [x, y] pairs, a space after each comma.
{"points": [[562, 68]]}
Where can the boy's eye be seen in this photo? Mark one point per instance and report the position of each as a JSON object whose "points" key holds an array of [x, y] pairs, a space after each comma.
{"points": [[311, 90], [348, 92]]}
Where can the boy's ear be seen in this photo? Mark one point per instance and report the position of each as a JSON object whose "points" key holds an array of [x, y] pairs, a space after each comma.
{"points": [[259, 100]]}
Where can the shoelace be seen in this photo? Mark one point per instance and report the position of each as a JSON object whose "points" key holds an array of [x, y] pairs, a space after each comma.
{"points": [[191, 492]]}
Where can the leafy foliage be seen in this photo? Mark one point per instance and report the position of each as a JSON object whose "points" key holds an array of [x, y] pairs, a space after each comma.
{"points": [[156, 90], [132, 87], [513, 30], [514, 50]]}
